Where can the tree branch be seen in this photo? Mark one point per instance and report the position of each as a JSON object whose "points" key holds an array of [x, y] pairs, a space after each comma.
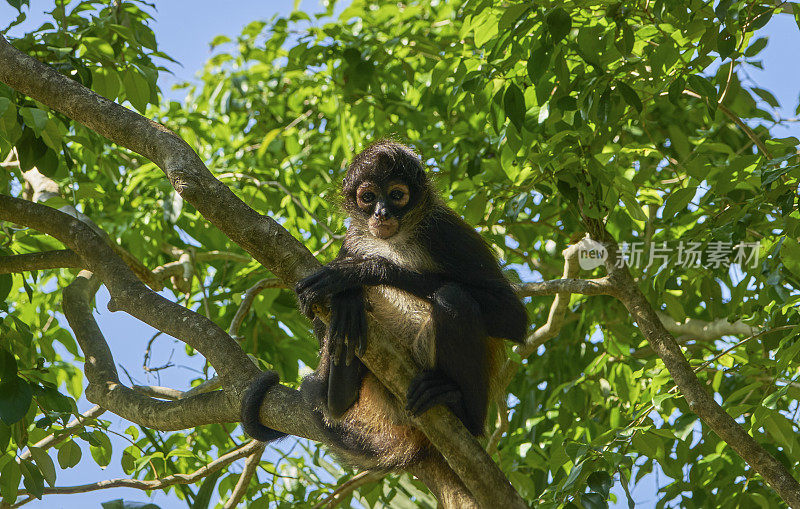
{"points": [[250, 466], [345, 489], [105, 388], [61, 258], [247, 301], [73, 425], [155, 484], [261, 236]]}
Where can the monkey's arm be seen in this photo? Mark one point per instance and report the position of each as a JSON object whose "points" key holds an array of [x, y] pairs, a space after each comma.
{"points": [[466, 259], [348, 273]]}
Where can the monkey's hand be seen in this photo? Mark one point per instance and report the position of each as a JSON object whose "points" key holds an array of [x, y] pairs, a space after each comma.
{"points": [[348, 328], [326, 282]]}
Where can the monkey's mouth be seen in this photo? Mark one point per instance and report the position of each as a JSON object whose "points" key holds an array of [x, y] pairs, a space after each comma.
{"points": [[383, 229]]}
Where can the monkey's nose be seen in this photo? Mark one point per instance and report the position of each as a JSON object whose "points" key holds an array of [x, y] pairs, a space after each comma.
{"points": [[381, 213]]}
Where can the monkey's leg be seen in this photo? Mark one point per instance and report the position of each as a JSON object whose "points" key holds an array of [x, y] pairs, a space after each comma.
{"points": [[459, 378]]}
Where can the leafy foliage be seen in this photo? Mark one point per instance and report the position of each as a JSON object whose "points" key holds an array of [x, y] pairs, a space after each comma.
{"points": [[529, 114]]}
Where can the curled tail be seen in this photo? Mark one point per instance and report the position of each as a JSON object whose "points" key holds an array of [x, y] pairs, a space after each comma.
{"points": [[251, 404]]}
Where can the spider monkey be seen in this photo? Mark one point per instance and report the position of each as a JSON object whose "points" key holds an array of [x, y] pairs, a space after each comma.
{"points": [[415, 264]]}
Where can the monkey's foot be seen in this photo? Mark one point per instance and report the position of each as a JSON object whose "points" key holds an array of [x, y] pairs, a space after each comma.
{"points": [[431, 388]]}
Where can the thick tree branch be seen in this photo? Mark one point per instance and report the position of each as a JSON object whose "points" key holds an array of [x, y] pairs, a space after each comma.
{"points": [[61, 258], [42, 188], [703, 330], [600, 286], [105, 388], [261, 236], [195, 407], [128, 293]]}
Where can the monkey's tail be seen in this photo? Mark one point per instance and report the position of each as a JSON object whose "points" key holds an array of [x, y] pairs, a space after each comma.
{"points": [[251, 404]]}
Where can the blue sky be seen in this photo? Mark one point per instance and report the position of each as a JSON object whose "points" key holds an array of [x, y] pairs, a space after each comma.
{"points": [[183, 29]]}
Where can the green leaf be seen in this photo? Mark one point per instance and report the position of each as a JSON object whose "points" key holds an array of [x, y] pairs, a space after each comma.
{"points": [[633, 208], [573, 476], [766, 96], [796, 12], [8, 365], [15, 399], [600, 482], [28, 289], [760, 43], [726, 44], [761, 16], [219, 40], [558, 24], [6, 283], [45, 464], [102, 452], [34, 118], [593, 501], [625, 42], [206, 491], [630, 96], [771, 175], [98, 47], [790, 255], [10, 476], [137, 90], [703, 87], [514, 105], [538, 62], [69, 454], [32, 478], [511, 15], [677, 201], [486, 31]]}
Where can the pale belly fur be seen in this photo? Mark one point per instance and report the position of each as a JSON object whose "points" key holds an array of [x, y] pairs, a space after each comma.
{"points": [[406, 315]]}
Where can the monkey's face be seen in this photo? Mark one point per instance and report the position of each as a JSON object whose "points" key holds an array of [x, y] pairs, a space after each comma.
{"points": [[383, 206]]}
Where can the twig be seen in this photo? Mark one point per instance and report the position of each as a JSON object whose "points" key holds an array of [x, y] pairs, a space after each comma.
{"points": [[739, 122], [155, 391], [155, 484], [247, 301], [295, 199], [62, 434], [209, 385], [250, 466], [502, 425], [346, 488]]}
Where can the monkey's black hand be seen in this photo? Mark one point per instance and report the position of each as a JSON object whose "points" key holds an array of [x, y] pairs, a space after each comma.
{"points": [[348, 327], [321, 285], [431, 388], [306, 300]]}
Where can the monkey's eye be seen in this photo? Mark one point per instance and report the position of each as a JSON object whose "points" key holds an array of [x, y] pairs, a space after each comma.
{"points": [[368, 197], [397, 195]]}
